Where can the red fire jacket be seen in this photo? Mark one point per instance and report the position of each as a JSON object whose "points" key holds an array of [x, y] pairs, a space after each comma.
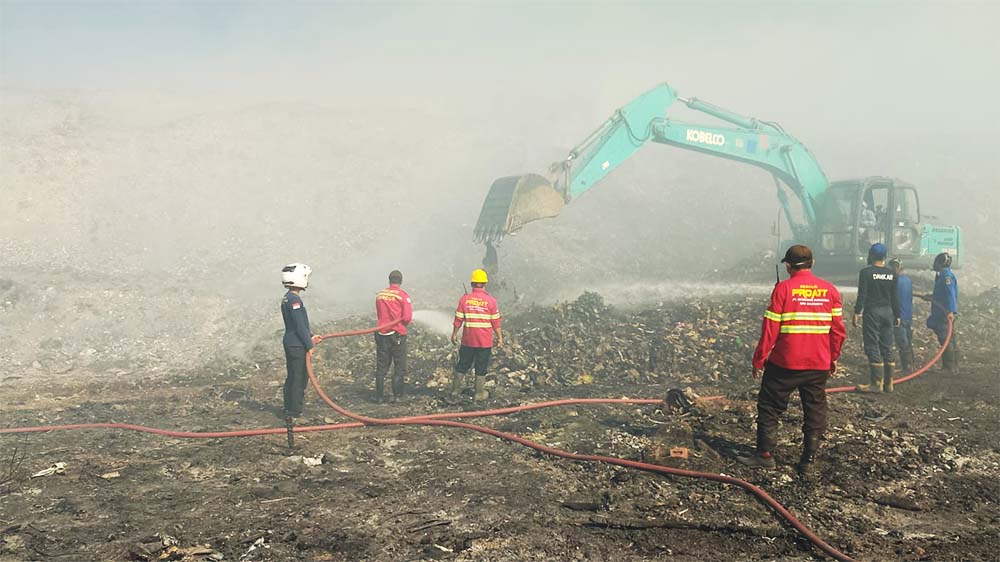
{"points": [[480, 314], [803, 327], [391, 304]]}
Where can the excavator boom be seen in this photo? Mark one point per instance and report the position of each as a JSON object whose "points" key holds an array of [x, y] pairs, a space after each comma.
{"points": [[515, 201]]}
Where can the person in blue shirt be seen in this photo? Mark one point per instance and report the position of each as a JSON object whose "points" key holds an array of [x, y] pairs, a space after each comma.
{"points": [[944, 307], [904, 331]]}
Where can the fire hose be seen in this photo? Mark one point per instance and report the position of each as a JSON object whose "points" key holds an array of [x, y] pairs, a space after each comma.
{"points": [[444, 420]]}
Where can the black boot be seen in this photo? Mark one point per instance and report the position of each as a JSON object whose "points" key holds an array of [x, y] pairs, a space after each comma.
{"points": [[379, 388], [906, 361], [290, 429], [950, 359], [807, 462], [397, 388], [887, 374]]}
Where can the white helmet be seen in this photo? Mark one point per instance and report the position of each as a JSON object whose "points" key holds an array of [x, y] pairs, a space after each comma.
{"points": [[295, 275]]}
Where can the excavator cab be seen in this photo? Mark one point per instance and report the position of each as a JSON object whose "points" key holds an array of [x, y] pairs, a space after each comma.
{"points": [[854, 214]]}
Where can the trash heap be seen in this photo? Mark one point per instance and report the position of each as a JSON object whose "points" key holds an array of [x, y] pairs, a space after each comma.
{"points": [[586, 341], [698, 341]]}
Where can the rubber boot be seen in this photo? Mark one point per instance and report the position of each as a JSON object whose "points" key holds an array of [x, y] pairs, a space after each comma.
{"points": [[379, 388], [397, 388], [481, 393], [950, 360], [807, 462], [289, 428], [906, 361], [456, 386], [760, 460], [888, 370], [875, 373]]}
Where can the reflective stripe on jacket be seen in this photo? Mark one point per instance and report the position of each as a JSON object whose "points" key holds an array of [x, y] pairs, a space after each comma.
{"points": [[479, 314], [803, 326], [392, 303]]}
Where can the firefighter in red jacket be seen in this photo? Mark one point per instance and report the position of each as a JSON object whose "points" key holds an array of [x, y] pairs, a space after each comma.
{"points": [[478, 317], [391, 304], [800, 341]]}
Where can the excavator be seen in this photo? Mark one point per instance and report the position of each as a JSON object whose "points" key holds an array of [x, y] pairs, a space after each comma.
{"points": [[838, 220]]}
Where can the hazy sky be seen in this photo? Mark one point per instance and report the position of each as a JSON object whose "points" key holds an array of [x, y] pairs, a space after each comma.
{"points": [[912, 63]]}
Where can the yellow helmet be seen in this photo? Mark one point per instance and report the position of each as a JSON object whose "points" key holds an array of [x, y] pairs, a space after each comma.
{"points": [[479, 276]]}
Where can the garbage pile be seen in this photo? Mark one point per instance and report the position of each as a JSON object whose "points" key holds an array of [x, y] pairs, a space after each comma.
{"points": [[586, 341], [697, 341]]}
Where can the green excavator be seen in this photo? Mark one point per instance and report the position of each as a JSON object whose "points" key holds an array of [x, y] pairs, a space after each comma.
{"points": [[838, 220]]}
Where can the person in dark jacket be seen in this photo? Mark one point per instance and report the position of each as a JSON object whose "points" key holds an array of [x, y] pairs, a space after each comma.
{"points": [[298, 340], [904, 332], [944, 308], [877, 311]]}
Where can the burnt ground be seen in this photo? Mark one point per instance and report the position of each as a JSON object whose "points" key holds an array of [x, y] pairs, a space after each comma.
{"points": [[911, 476]]}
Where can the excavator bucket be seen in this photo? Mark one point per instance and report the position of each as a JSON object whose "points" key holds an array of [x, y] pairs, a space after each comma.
{"points": [[514, 201]]}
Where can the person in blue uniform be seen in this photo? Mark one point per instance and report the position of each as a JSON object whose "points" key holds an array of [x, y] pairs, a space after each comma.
{"points": [[944, 307], [298, 340], [904, 331]]}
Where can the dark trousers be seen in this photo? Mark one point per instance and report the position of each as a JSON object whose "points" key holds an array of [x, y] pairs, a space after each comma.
{"points": [[941, 331], [950, 355], [876, 329], [390, 351], [296, 381], [469, 356], [775, 390], [903, 335]]}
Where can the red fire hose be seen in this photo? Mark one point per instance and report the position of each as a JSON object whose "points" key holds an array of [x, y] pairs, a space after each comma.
{"points": [[443, 420]]}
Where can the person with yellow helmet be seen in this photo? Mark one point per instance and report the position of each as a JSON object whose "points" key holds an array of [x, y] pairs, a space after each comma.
{"points": [[478, 316]]}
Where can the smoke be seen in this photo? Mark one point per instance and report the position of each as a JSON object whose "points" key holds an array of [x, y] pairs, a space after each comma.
{"points": [[177, 155], [438, 322]]}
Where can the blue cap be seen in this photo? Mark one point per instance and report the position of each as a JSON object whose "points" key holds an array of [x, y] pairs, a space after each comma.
{"points": [[877, 251]]}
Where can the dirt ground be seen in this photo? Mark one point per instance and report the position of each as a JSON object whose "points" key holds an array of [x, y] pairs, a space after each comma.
{"points": [[907, 476]]}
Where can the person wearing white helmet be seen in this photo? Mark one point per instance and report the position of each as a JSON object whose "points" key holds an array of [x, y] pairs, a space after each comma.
{"points": [[298, 339]]}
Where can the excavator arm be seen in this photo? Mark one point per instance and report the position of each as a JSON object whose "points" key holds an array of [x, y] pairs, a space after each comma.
{"points": [[784, 157], [517, 200], [514, 201]]}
